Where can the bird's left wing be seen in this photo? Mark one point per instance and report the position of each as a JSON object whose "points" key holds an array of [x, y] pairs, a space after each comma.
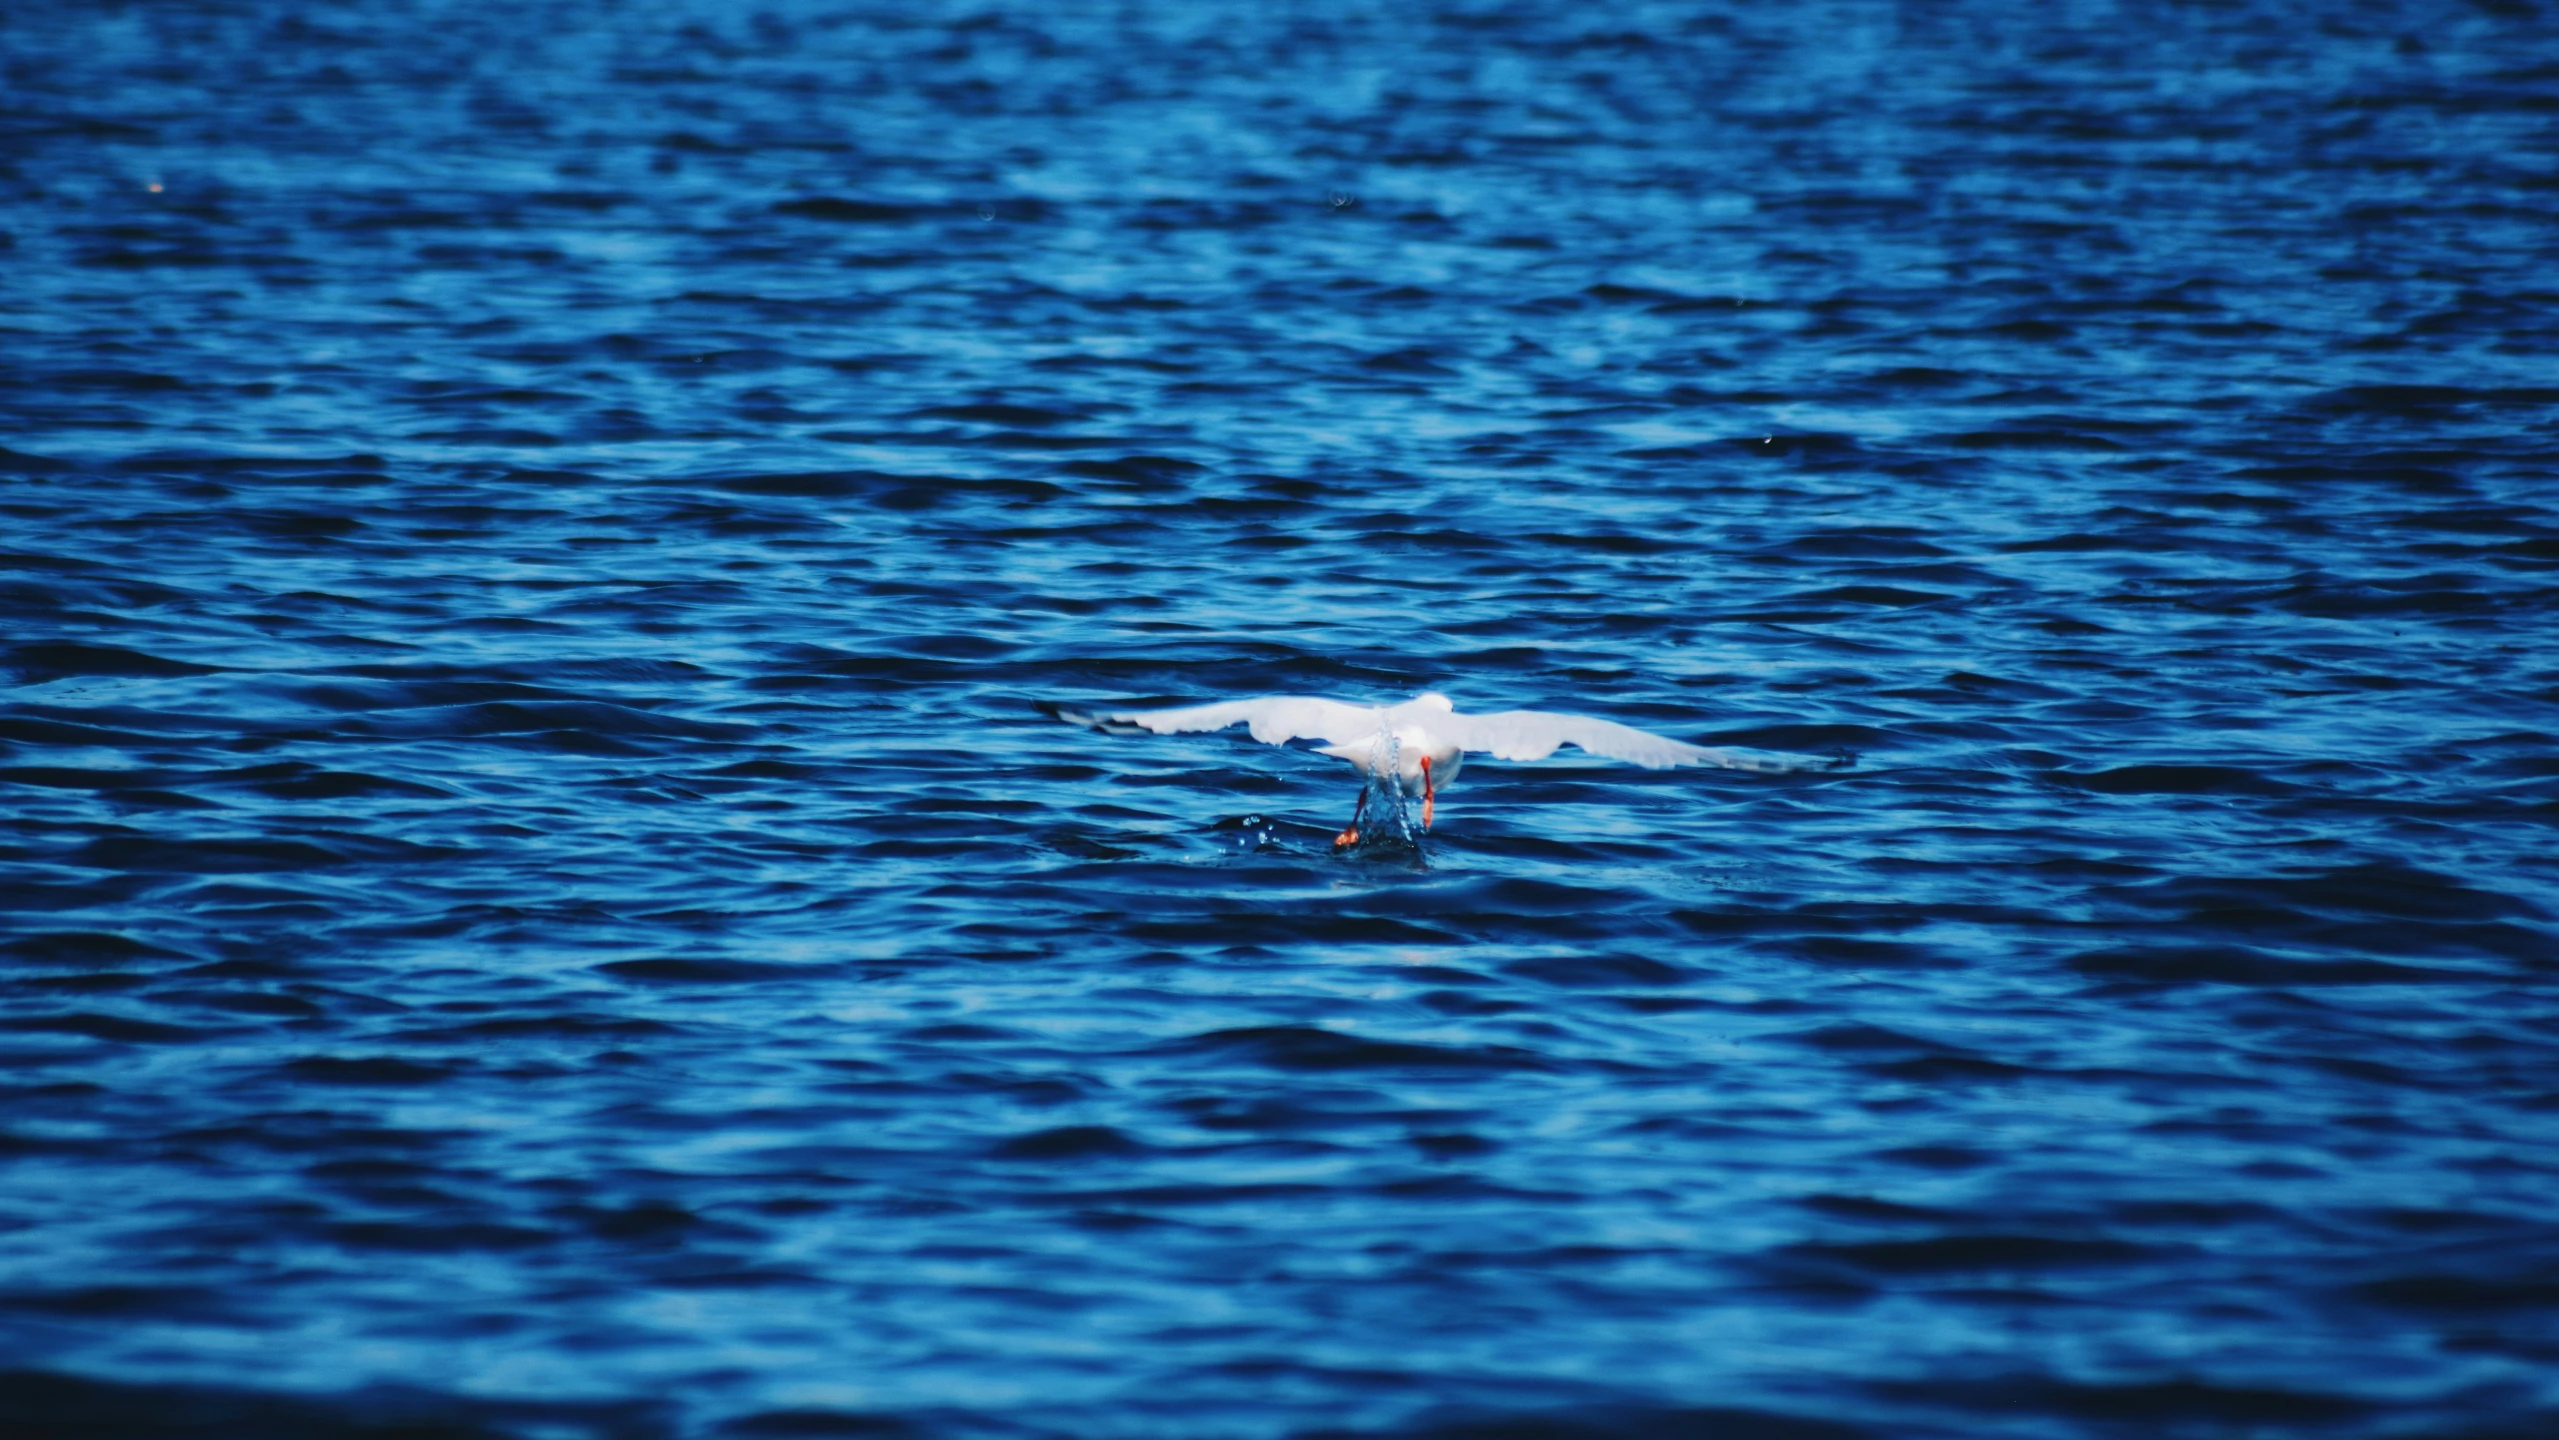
{"points": [[1535, 734], [1274, 719]]}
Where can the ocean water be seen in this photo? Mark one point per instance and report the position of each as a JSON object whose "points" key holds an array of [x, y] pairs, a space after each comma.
{"points": [[536, 898]]}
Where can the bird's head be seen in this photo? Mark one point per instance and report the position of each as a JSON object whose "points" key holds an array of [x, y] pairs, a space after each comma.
{"points": [[1434, 700]]}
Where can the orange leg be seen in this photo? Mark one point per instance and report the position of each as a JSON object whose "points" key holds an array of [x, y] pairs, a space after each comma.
{"points": [[1427, 792], [1350, 833]]}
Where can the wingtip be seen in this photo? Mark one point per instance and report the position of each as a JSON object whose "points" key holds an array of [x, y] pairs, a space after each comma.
{"points": [[1086, 719], [1836, 760], [1765, 764]]}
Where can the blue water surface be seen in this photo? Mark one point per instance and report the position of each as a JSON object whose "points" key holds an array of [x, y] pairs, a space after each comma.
{"points": [[536, 898]]}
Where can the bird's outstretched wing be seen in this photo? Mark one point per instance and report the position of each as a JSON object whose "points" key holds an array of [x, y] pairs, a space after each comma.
{"points": [[1275, 719], [1535, 734]]}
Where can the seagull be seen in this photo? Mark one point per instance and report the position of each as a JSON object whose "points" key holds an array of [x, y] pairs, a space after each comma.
{"points": [[1423, 742]]}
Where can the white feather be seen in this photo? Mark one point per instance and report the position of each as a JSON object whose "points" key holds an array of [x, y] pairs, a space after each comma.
{"points": [[1429, 724]]}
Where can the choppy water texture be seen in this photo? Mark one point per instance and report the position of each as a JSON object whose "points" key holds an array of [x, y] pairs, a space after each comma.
{"points": [[538, 900]]}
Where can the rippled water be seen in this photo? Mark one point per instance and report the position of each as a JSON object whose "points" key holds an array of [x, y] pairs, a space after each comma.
{"points": [[538, 899]]}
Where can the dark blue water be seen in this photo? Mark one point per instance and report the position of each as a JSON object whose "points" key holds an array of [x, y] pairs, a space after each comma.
{"points": [[538, 901]]}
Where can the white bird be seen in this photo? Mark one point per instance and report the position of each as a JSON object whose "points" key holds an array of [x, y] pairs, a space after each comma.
{"points": [[1424, 740]]}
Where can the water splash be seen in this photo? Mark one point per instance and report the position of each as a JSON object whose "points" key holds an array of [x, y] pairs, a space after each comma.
{"points": [[1386, 819]]}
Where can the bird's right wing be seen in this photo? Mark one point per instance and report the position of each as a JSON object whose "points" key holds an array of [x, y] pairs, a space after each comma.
{"points": [[1274, 719], [1535, 734]]}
